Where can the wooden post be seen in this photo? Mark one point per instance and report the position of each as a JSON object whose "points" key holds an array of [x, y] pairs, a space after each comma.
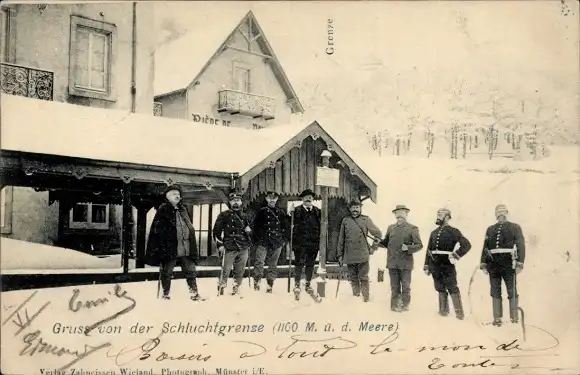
{"points": [[209, 227], [321, 282], [324, 226], [141, 236], [127, 225]]}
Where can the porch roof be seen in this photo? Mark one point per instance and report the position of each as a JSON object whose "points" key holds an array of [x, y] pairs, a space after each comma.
{"points": [[54, 128]]}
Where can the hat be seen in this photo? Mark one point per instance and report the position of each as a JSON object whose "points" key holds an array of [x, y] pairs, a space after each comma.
{"points": [[307, 192], [401, 207], [354, 202], [501, 207], [444, 211], [173, 187], [272, 192], [234, 195]]}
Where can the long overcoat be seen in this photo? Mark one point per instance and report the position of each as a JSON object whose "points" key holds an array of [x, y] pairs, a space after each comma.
{"points": [[162, 243], [353, 245]]}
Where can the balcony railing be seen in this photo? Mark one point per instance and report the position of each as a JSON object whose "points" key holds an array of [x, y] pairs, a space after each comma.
{"points": [[157, 109], [29, 82], [243, 103]]}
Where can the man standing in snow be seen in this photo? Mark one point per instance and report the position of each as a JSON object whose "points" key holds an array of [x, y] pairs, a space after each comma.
{"points": [[231, 232], [354, 250], [440, 262], [172, 242], [503, 255], [271, 228], [306, 238], [402, 241]]}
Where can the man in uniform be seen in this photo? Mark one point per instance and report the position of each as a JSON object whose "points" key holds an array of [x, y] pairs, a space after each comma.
{"points": [[354, 250], [271, 228], [231, 232], [502, 261], [402, 241], [306, 238], [440, 261]]}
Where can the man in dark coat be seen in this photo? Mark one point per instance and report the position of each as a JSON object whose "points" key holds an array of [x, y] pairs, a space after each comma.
{"points": [[172, 242], [353, 248], [271, 229], [402, 241], [503, 255], [440, 261], [306, 238], [232, 233]]}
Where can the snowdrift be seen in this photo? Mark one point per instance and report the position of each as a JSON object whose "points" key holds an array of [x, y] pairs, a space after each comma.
{"points": [[21, 255]]}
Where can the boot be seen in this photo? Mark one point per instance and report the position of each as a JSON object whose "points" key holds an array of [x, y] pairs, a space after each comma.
{"points": [[406, 302], [355, 288], [514, 309], [443, 304], [497, 311], [270, 286], [235, 289], [256, 284], [195, 296], [166, 296], [396, 304], [365, 289], [308, 288], [457, 305]]}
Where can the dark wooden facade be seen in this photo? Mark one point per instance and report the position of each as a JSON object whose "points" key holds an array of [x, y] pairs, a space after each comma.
{"points": [[295, 171]]}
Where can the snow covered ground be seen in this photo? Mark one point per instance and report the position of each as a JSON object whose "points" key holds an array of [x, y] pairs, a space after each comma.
{"points": [[408, 334]]}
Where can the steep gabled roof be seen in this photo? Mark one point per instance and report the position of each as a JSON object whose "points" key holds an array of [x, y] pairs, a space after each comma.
{"points": [[180, 63]]}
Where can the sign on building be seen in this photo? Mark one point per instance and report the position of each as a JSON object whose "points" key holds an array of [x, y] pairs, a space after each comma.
{"points": [[328, 177]]}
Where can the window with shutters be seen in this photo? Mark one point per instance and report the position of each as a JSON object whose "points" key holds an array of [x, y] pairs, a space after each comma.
{"points": [[92, 58]]}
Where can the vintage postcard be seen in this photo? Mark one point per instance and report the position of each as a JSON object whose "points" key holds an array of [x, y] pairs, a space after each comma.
{"points": [[290, 187]]}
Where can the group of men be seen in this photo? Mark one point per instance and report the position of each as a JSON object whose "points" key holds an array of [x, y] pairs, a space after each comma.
{"points": [[172, 242]]}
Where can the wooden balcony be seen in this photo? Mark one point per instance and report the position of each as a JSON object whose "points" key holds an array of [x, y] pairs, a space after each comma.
{"points": [[246, 104], [29, 82]]}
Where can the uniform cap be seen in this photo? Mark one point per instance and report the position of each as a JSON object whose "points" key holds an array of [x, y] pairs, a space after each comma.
{"points": [[306, 192], [234, 195], [444, 211], [500, 210], [354, 202], [272, 192]]}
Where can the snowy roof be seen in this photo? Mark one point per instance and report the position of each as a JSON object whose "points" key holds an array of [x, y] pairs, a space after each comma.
{"points": [[54, 128], [180, 62], [113, 135]]}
